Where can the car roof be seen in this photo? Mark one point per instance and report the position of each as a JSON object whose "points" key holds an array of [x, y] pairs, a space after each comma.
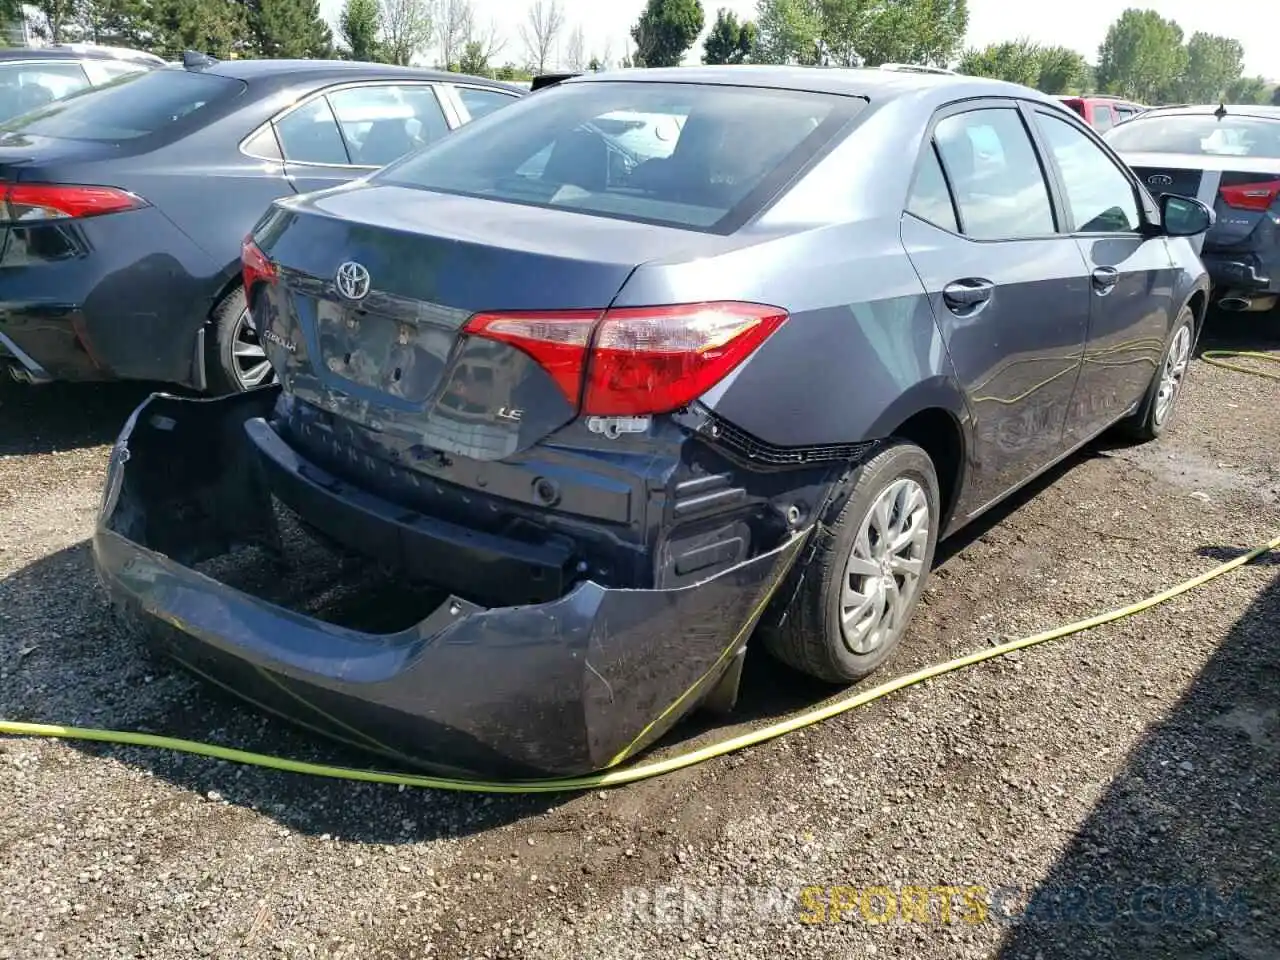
{"points": [[73, 51], [872, 83], [311, 70], [1237, 110]]}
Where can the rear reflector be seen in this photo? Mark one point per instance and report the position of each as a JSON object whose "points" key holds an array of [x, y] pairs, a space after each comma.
{"points": [[41, 202], [255, 267], [635, 361], [1251, 196]]}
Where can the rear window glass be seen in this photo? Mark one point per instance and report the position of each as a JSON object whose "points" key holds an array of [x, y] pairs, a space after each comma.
{"points": [[130, 107], [1199, 133], [687, 155]]}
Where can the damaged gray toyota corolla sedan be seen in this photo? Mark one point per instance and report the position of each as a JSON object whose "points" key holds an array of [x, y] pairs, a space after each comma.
{"points": [[608, 380]]}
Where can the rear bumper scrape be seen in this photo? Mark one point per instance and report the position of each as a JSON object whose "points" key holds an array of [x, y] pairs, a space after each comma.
{"points": [[549, 689]]}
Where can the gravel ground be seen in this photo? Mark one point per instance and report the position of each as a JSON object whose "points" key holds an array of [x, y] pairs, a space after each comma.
{"points": [[1135, 766]]}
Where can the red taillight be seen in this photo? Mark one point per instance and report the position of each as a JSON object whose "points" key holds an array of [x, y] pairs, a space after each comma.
{"points": [[42, 202], [255, 267], [1251, 196], [636, 360]]}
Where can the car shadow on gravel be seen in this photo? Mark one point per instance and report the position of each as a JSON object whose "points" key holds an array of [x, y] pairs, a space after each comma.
{"points": [[66, 416], [1179, 858], [1240, 331]]}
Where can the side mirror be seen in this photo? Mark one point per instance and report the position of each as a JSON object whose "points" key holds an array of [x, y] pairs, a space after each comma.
{"points": [[1184, 216]]}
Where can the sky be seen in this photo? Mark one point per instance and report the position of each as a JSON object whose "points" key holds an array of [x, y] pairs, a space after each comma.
{"points": [[1081, 25]]}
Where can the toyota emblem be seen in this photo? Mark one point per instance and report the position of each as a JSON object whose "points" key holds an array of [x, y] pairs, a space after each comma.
{"points": [[1160, 180], [352, 280]]}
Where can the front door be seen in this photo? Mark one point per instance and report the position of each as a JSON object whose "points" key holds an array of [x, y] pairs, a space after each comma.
{"points": [[1010, 293], [1131, 277]]}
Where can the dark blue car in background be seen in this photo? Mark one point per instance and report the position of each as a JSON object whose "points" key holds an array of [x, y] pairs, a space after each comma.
{"points": [[122, 208], [603, 412]]}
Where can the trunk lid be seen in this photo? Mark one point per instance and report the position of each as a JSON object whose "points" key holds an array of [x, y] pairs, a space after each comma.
{"points": [[1237, 188], [396, 362], [27, 157]]}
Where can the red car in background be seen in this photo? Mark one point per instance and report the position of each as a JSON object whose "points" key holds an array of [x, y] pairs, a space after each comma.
{"points": [[1103, 112]]}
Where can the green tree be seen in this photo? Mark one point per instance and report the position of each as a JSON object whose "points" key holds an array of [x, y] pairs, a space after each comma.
{"points": [[1016, 61], [474, 59], [729, 41], [407, 29], [59, 19], [359, 26], [120, 23], [289, 29], [1252, 90], [1142, 56], [666, 30], [1213, 64], [790, 31], [594, 65], [1275, 97], [1062, 70], [215, 27], [847, 33]]}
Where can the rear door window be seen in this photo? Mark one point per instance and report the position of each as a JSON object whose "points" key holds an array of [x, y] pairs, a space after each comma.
{"points": [[152, 103], [730, 149], [383, 122], [30, 86], [930, 198], [995, 174], [480, 102], [310, 134]]}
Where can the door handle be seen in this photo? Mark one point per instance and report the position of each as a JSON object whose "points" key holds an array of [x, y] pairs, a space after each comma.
{"points": [[1104, 278], [965, 294]]}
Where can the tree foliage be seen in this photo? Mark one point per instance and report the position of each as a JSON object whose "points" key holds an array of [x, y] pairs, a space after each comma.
{"points": [[847, 33], [729, 41], [666, 30], [1252, 90], [1050, 69], [359, 29], [539, 32], [1213, 64], [292, 29], [408, 27], [1142, 57]]}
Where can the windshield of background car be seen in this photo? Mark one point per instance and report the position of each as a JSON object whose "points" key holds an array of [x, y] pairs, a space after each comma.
{"points": [[1232, 136], [133, 106], [696, 156]]}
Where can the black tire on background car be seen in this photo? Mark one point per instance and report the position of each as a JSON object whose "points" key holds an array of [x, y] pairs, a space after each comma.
{"points": [[863, 581], [237, 361], [1151, 419]]}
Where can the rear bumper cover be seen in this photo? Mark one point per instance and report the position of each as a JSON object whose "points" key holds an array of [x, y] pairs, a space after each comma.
{"points": [[558, 688]]}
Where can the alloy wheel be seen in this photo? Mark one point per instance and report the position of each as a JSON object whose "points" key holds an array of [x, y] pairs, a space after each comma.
{"points": [[251, 367], [885, 567], [1172, 373]]}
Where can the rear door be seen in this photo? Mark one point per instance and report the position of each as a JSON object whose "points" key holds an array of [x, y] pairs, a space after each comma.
{"points": [[345, 132], [1131, 275], [1010, 293]]}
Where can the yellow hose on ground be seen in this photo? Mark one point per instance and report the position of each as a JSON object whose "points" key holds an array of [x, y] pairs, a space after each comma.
{"points": [[1218, 358], [655, 768]]}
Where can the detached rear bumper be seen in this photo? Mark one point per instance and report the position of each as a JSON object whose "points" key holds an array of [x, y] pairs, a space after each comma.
{"points": [[1247, 272], [558, 688]]}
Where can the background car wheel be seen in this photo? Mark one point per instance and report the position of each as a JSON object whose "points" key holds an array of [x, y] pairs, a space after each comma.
{"points": [[238, 363], [861, 587], [1161, 400]]}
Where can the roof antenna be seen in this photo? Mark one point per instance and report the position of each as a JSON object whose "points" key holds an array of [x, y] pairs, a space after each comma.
{"points": [[194, 60], [1221, 111]]}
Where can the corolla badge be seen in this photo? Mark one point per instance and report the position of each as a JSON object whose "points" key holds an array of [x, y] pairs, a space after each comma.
{"points": [[1160, 180], [352, 280], [279, 340]]}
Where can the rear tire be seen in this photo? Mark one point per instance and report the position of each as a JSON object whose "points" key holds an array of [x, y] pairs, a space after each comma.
{"points": [[237, 361], [1161, 400], [863, 582]]}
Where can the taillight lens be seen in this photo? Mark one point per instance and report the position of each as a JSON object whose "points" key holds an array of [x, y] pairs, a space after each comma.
{"points": [[636, 360], [255, 267], [1251, 196], [42, 202]]}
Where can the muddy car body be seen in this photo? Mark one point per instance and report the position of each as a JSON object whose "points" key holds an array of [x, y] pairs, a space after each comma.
{"points": [[616, 426]]}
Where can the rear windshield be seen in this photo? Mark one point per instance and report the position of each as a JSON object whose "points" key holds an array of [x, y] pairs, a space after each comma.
{"points": [[688, 155], [133, 106], [1199, 133]]}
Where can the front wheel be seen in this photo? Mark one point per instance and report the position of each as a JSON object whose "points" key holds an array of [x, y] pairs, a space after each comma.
{"points": [[238, 361], [1156, 412], [862, 584]]}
